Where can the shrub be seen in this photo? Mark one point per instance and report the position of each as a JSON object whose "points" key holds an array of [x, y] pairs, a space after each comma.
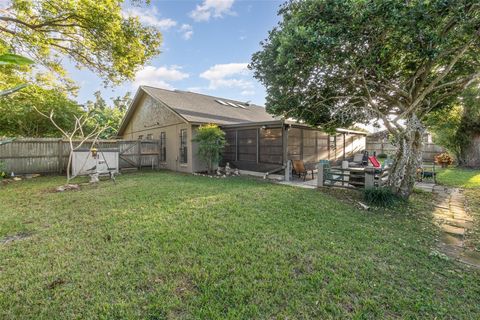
{"points": [[382, 156], [381, 197], [444, 159], [211, 141], [3, 168]]}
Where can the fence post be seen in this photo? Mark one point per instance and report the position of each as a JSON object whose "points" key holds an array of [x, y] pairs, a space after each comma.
{"points": [[60, 156], [288, 170], [369, 177], [139, 154], [320, 174]]}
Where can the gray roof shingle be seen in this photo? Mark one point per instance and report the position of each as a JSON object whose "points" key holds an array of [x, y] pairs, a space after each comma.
{"points": [[200, 108]]}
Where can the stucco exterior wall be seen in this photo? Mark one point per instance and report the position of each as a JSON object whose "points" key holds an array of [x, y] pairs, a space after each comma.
{"points": [[150, 117]]}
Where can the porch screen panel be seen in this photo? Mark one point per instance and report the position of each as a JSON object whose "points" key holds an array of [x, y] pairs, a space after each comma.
{"points": [[348, 145], [322, 146], [309, 150], [358, 144], [247, 145], [353, 145], [294, 144], [231, 145], [339, 150], [270, 146]]}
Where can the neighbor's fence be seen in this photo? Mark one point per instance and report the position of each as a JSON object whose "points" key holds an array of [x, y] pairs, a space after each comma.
{"points": [[430, 150], [49, 155]]}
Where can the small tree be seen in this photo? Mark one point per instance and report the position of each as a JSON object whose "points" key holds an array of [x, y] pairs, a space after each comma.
{"points": [[78, 132], [211, 141]]}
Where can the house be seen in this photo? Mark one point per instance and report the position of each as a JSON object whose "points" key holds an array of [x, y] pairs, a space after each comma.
{"points": [[256, 140]]}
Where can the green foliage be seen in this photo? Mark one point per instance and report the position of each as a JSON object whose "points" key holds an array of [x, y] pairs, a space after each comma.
{"points": [[15, 59], [444, 125], [454, 127], [333, 63], [104, 115], [19, 118], [94, 34], [382, 156], [380, 197], [211, 141], [3, 168]]}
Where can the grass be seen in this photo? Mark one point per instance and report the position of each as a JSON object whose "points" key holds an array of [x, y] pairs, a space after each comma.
{"points": [[469, 180], [163, 245], [458, 177]]}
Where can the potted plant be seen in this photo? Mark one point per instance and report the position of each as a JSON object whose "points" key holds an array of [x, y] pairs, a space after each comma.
{"points": [[444, 159]]}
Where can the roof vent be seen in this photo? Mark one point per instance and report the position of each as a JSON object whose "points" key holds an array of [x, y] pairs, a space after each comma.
{"points": [[222, 102]]}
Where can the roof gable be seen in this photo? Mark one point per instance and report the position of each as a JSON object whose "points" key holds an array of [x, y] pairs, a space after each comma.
{"points": [[146, 111]]}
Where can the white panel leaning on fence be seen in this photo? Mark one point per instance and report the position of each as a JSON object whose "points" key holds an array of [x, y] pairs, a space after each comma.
{"points": [[95, 162]]}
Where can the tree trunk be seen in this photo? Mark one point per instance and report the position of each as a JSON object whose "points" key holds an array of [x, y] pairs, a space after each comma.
{"points": [[470, 153], [408, 158]]}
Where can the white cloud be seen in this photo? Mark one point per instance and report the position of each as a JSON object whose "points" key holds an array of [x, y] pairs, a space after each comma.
{"points": [[247, 93], [149, 16], [212, 8], [187, 31], [228, 75], [159, 77]]}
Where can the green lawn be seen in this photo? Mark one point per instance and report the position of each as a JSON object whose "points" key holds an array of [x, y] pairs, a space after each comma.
{"points": [[457, 177], [469, 180], [163, 245]]}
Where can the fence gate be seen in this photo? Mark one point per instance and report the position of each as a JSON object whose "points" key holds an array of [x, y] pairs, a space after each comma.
{"points": [[139, 153]]}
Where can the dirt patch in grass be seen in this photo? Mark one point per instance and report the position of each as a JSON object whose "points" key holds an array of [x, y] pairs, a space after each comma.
{"points": [[16, 237]]}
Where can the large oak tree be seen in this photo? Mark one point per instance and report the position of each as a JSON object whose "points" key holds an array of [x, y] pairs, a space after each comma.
{"points": [[333, 63], [94, 34]]}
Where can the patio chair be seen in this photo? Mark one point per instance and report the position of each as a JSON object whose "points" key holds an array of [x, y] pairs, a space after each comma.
{"points": [[299, 168], [387, 163], [357, 160], [427, 171]]}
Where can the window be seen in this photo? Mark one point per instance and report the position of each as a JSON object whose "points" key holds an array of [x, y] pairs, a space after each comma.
{"points": [[149, 136], [183, 146], [163, 147], [140, 137]]}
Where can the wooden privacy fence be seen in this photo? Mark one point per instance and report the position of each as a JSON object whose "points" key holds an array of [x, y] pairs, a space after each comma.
{"points": [[49, 155], [430, 150]]}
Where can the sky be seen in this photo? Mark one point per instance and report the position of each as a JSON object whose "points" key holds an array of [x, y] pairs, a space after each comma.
{"points": [[206, 48]]}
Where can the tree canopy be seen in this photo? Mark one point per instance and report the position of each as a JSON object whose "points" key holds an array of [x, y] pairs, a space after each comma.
{"points": [[19, 118], [93, 34], [456, 128], [107, 116], [333, 63]]}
